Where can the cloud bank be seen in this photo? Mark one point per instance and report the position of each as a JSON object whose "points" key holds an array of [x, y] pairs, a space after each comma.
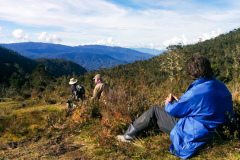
{"points": [[132, 23]]}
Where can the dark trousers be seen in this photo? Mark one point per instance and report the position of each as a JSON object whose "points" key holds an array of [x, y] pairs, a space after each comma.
{"points": [[156, 117]]}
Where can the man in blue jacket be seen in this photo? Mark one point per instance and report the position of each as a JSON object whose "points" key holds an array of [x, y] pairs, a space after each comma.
{"points": [[192, 120]]}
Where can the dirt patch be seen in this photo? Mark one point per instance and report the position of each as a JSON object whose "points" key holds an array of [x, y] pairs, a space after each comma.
{"points": [[63, 148], [58, 146], [82, 158], [22, 143], [57, 140]]}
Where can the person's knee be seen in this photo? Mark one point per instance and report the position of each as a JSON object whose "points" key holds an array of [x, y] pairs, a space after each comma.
{"points": [[153, 110], [156, 108]]}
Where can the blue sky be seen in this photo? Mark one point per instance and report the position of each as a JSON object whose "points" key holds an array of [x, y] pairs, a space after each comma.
{"points": [[127, 23]]}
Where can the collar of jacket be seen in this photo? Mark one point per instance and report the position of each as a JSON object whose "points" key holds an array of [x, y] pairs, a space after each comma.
{"points": [[199, 81], [99, 82]]}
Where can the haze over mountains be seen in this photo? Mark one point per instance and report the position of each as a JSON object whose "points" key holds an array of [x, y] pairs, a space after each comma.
{"points": [[91, 57], [149, 50]]}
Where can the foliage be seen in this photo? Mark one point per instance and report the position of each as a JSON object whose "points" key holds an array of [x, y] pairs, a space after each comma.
{"points": [[13, 63], [61, 67], [40, 77], [16, 70]]}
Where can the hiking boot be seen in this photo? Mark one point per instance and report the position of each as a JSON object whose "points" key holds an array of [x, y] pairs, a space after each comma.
{"points": [[131, 132], [122, 139], [129, 135]]}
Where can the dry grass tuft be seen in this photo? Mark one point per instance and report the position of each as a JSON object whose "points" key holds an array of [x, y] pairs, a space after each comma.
{"points": [[40, 129]]}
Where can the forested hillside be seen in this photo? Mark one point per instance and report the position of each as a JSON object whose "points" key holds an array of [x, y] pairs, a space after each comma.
{"points": [[12, 62], [16, 70], [61, 67]]}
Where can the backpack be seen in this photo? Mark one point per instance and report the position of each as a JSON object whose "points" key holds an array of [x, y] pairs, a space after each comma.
{"points": [[80, 91]]}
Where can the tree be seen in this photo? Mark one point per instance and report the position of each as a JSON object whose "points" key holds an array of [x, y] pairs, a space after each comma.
{"points": [[14, 81], [174, 47], [40, 78]]}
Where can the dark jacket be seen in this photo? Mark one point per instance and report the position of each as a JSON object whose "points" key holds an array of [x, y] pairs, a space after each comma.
{"points": [[77, 93]]}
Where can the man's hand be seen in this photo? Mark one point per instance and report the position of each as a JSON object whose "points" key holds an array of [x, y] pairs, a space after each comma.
{"points": [[169, 98]]}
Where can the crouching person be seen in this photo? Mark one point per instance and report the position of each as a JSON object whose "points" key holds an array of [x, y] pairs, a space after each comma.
{"points": [[78, 94], [192, 120]]}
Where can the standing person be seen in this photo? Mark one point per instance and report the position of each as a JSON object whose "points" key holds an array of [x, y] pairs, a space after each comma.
{"points": [[192, 120], [101, 89], [78, 93]]}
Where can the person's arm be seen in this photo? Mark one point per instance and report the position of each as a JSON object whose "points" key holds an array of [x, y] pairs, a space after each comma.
{"points": [[73, 88], [83, 93], [94, 93], [180, 108], [97, 91]]}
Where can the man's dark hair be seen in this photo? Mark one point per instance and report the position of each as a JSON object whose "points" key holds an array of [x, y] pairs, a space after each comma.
{"points": [[198, 67]]}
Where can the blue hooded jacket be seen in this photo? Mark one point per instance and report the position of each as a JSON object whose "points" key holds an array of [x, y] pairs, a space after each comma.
{"points": [[202, 108]]}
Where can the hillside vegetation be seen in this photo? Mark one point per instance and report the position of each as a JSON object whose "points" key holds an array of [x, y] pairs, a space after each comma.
{"points": [[16, 71], [37, 127], [12, 62], [61, 67]]}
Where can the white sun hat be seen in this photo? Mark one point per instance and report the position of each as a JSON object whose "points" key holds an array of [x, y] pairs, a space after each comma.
{"points": [[72, 81]]}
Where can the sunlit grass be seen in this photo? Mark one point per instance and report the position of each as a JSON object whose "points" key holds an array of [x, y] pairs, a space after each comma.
{"points": [[41, 131]]}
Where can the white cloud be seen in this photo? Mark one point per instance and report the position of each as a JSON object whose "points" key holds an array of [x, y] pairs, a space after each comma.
{"points": [[154, 24], [184, 41], [68, 14], [0, 28], [180, 40], [174, 40], [18, 33], [213, 34], [108, 42], [49, 38]]}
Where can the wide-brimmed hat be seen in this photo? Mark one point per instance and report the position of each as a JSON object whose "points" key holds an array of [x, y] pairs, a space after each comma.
{"points": [[98, 76], [72, 81]]}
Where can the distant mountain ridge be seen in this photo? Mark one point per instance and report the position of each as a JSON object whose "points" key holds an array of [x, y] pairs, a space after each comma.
{"points": [[91, 57], [12, 62]]}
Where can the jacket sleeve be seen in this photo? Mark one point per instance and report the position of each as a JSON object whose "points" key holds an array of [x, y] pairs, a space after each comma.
{"points": [[180, 108], [97, 91]]}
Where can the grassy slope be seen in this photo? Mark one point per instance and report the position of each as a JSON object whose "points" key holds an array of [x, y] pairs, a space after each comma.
{"points": [[37, 131]]}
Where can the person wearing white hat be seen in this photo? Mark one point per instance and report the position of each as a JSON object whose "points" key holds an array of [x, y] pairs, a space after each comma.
{"points": [[78, 92]]}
